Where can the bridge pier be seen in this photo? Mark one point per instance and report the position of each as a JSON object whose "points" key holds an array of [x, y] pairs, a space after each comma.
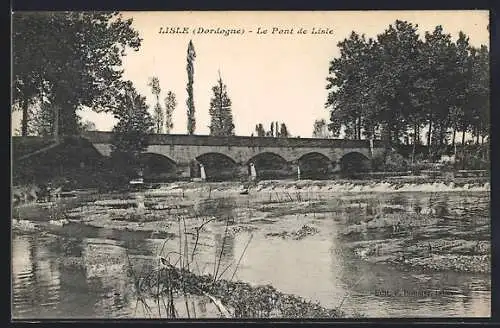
{"points": [[335, 167], [184, 170], [242, 172], [294, 170]]}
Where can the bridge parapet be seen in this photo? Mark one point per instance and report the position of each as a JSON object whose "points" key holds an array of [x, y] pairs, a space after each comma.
{"points": [[239, 141]]}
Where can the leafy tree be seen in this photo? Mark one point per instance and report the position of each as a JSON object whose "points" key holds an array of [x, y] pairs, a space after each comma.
{"points": [[154, 83], [275, 130], [170, 104], [394, 86], [283, 133], [259, 130], [320, 129], [350, 82], [27, 62], [191, 122], [27, 101], [134, 124], [42, 119], [437, 98], [479, 103], [270, 133], [87, 126], [158, 118], [335, 127], [462, 77], [74, 56], [221, 118]]}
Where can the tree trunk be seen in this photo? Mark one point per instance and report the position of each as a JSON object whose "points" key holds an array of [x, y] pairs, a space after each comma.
{"points": [[418, 135], [395, 136], [56, 122], [24, 121], [358, 136], [385, 133], [415, 130], [483, 151], [455, 151], [67, 118], [429, 133], [359, 128], [429, 138], [355, 127], [453, 137], [463, 149], [356, 123]]}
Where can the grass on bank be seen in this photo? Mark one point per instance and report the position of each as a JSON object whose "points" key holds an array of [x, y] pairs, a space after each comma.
{"points": [[176, 279]]}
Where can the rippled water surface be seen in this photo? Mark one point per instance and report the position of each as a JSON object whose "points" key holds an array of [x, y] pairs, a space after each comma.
{"points": [[79, 269]]}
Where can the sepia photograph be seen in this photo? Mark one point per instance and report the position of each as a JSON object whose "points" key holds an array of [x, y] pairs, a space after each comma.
{"points": [[250, 164]]}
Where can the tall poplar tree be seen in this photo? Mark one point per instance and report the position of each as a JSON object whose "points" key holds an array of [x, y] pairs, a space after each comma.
{"points": [[191, 120], [170, 104], [221, 117], [158, 118]]}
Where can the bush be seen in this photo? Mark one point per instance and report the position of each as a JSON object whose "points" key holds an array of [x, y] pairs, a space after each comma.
{"points": [[123, 163], [378, 163], [393, 162], [473, 162]]}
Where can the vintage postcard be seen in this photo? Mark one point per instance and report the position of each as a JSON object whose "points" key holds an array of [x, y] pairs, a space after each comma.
{"points": [[309, 164]]}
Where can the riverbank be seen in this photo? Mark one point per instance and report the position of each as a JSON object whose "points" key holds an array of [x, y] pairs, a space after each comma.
{"points": [[232, 299]]}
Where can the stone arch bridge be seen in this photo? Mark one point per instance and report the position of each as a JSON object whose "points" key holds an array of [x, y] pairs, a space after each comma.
{"points": [[181, 155]]}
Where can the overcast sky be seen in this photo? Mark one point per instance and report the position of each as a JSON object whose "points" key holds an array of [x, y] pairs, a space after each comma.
{"points": [[271, 77]]}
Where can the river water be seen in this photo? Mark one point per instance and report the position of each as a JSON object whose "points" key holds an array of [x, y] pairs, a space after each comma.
{"points": [[77, 268]]}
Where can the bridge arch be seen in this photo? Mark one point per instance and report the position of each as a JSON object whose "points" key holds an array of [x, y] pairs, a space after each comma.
{"points": [[354, 162], [158, 166], [315, 165], [217, 166], [269, 165]]}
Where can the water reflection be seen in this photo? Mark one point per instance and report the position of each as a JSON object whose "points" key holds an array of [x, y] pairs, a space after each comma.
{"points": [[378, 289], [223, 253], [84, 271], [32, 269], [420, 293]]}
